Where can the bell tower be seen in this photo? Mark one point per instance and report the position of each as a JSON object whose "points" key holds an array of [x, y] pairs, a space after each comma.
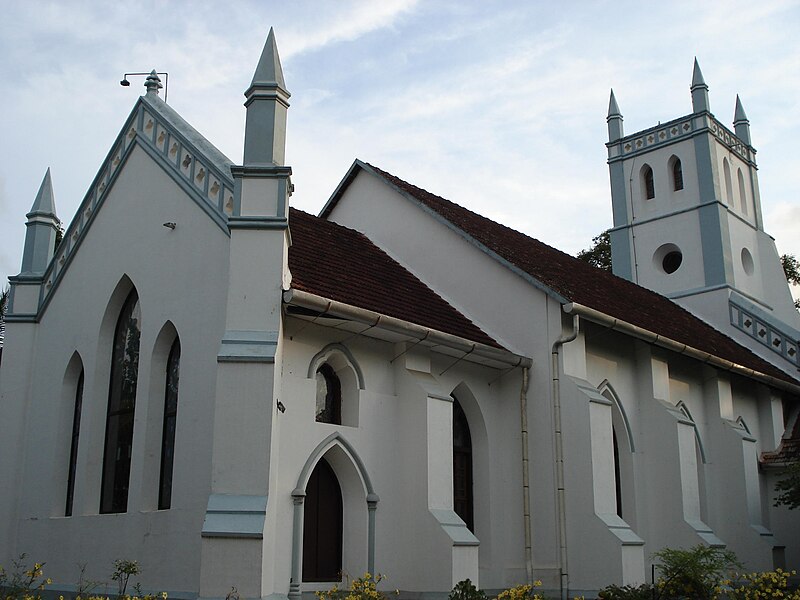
{"points": [[688, 223]]}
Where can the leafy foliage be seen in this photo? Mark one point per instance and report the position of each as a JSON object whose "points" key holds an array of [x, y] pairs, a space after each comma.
{"points": [[697, 572], [769, 584], [22, 583], [521, 592], [791, 268], [466, 590], [627, 592], [789, 487], [362, 588], [599, 254]]}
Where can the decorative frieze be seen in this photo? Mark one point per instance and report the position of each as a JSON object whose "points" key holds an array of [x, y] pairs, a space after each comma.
{"points": [[146, 126], [766, 334]]}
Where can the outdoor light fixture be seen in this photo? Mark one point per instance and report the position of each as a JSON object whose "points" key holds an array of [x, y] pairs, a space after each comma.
{"points": [[169, 225], [125, 83]]}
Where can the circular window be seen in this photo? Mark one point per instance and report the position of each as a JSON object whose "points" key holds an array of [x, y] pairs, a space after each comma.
{"points": [[672, 261], [747, 261], [668, 258]]}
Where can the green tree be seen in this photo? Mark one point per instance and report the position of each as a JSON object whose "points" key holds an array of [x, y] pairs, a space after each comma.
{"points": [[599, 254], [788, 488], [791, 268]]}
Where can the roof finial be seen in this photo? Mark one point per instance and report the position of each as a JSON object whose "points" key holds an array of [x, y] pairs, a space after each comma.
{"points": [[614, 120], [269, 71], [740, 123], [699, 89], [153, 82], [266, 100], [45, 203]]}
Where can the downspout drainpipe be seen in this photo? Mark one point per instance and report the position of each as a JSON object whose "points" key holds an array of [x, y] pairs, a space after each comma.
{"points": [[526, 495], [559, 448]]}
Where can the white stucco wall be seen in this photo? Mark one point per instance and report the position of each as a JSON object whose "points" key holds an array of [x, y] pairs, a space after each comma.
{"points": [[177, 275]]}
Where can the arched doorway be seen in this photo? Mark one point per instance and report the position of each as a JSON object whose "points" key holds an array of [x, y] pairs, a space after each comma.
{"points": [[322, 525], [462, 467]]}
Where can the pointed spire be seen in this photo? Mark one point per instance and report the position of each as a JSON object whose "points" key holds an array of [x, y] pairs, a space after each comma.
{"points": [[40, 232], [269, 69], [45, 204], [153, 83], [699, 89], [614, 120], [740, 123], [267, 103]]}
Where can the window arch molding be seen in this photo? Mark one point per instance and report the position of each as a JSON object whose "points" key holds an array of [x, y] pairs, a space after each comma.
{"points": [[676, 173], [65, 457], [153, 497], [343, 378], [648, 184], [607, 390], [726, 171], [123, 348], [681, 406], [336, 353], [338, 451], [623, 449]]}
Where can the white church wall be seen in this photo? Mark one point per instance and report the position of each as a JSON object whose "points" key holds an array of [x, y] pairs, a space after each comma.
{"points": [[126, 240], [411, 470]]}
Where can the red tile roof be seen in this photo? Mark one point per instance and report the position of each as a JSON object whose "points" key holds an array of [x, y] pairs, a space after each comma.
{"points": [[574, 280], [332, 261]]}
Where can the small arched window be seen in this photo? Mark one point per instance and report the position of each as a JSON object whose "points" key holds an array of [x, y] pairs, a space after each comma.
{"points": [[329, 396], [677, 174], [742, 191], [121, 405], [726, 168], [462, 467], [73, 447], [170, 418], [648, 184]]}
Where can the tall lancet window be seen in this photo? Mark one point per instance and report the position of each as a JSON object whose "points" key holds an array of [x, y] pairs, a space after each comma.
{"points": [[677, 174], [73, 448], [170, 417], [648, 183], [462, 467], [121, 405]]}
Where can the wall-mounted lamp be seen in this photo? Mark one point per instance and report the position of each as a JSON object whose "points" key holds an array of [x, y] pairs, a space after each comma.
{"points": [[125, 83], [281, 407], [169, 225]]}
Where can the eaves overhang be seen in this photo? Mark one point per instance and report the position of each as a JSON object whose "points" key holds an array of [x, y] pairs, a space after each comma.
{"points": [[323, 310], [615, 324]]}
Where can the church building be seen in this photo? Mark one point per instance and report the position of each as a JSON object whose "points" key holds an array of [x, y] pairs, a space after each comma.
{"points": [[238, 394]]}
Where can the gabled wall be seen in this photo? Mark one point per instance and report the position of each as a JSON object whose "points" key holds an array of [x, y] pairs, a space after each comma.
{"points": [[177, 275]]}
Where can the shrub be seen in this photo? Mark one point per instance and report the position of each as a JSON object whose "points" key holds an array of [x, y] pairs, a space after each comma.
{"points": [[768, 584], [362, 588], [22, 583], [695, 573], [521, 592], [627, 592], [466, 590]]}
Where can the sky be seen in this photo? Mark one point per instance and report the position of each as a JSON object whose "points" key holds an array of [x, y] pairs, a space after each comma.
{"points": [[499, 106]]}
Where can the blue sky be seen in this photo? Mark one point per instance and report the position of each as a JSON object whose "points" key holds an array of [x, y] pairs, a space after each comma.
{"points": [[499, 106]]}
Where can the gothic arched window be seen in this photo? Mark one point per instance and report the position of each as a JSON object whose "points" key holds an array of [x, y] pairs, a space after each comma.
{"points": [[322, 525], [677, 174], [462, 467], [648, 184], [742, 191], [170, 417], [121, 405], [73, 448], [329, 396]]}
